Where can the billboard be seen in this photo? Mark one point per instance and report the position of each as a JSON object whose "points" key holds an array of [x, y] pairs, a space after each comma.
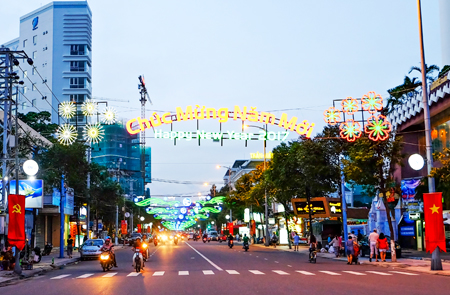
{"points": [[320, 207], [33, 191]]}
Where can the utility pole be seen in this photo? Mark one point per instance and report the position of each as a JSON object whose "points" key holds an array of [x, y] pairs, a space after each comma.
{"points": [[116, 239], [144, 95]]}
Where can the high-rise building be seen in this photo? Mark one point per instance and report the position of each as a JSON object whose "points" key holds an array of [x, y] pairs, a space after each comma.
{"points": [[58, 37]]}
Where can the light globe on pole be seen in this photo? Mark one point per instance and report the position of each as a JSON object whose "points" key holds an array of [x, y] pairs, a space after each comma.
{"points": [[30, 167], [416, 161]]}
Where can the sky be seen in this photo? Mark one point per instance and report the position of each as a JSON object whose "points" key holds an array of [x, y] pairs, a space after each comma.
{"points": [[272, 55]]}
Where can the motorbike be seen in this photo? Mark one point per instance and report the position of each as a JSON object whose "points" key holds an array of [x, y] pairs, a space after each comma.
{"points": [[204, 239], [106, 260], [144, 251], [312, 256], [246, 246], [138, 260], [230, 244], [37, 254], [47, 249]]}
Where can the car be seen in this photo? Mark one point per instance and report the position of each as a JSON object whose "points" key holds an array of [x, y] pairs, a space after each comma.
{"points": [[365, 248], [91, 249], [133, 237], [191, 236], [213, 235]]}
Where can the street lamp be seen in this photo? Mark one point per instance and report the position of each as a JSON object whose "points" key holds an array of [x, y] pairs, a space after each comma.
{"points": [[266, 209], [229, 186]]}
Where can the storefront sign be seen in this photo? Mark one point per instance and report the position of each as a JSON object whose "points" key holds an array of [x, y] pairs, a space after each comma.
{"points": [[33, 191], [414, 206], [415, 216], [246, 215], [320, 207], [407, 231], [136, 125], [200, 134], [259, 156]]}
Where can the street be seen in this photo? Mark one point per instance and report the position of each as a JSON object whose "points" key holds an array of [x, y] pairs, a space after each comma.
{"points": [[198, 268]]}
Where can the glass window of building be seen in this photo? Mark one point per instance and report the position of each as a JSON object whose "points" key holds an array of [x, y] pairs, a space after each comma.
{"points": [[33, 102], [77, 66], [33, 71], [24, 105], [34, 54], [25, 89], [77, 49], [33, 87], [34, 39], [25, 74], [77, 82], [25, 43], [78, 98]]}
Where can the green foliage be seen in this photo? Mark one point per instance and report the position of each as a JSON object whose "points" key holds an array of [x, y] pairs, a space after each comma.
{"points": [[444, 71], [40, 122]]}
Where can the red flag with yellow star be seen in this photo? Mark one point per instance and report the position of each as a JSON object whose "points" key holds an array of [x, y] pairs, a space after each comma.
{"points": [[16, 225], [434, 222]]}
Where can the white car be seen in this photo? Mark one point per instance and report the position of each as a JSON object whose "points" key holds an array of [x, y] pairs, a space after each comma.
{"points": [[91, 248]]}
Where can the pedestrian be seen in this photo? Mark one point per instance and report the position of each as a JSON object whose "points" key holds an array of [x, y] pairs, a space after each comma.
{"points": [[350, 250], [354, 237], [296, 241], [274, 239], [329, 239], [336, 245], [382, 246], [373, 240], [69, 246], [237, 238], [360, 236]]}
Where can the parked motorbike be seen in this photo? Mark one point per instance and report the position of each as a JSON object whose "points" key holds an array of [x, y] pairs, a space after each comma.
{"points": [[138, 259], [230, 244], [246, 247], [106, 260], [47, 249]]}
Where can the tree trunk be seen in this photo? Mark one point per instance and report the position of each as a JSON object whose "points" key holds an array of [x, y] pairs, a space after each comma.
{"points": [[287, 228], [391, 229]]}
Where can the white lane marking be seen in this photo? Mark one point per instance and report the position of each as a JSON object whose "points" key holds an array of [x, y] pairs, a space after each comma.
{"points": [[306, 273], [289, 265], [330, 273], [85, 276], [158, 273], [280, 272], [276, 262], [111, 274], [203, 256], [232, 272], [404, 273], [183, 273], [257, 256], [354, 273], [133, 274], [192, 257], [256, 272], [59, 277], [265, 258], [208, 272], [379, 273]]}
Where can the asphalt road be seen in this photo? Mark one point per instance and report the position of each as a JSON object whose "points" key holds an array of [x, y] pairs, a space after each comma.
{"points": [[213, 268]]}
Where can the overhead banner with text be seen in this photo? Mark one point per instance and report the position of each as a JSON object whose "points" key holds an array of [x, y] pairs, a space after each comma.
{"points": [[434, 220], [16, 225]]}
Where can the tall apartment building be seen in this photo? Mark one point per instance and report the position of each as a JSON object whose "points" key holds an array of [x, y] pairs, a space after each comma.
{"points": [[58, 37]]}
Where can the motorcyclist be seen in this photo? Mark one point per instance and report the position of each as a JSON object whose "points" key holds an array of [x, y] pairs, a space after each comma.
{"points": [[245, 239], [108, 246], [205, 236], [138, 245]]}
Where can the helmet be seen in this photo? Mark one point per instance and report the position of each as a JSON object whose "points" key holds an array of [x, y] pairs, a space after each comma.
{"points": [[107, 241]]}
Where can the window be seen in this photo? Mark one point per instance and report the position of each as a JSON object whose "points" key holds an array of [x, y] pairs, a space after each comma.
{"points": [[25, 74], [33, 71], [77, 49], [79, 98], [33, 102], [25, 89], [33, 87], [76, 82], [77, 66], [34, 39], [34, 54], [25, 43], [24, 105]]}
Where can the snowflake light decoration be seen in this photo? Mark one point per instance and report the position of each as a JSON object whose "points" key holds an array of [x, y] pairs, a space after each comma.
{"points": [[109, 116], [89, 107], [378, 128], [372, 102], [350, 130], [332, 116], [93, 133], [349, 105], [66, 134], [67, 109]]}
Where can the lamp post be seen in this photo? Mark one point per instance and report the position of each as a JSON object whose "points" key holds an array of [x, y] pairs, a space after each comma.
{"points": [[266, 207], [436, 263]]}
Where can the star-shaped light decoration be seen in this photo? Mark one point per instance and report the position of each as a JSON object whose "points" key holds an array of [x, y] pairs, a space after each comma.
{"points": [[66, 134], [350, 130], [67, 109], [93, 133], [372, 102], [378, 128], [349, 106], [89, 107], [434, 209], [109, 116], [332, 116]]}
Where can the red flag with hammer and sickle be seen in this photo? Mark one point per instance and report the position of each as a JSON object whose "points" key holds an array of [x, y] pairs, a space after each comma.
{"points": [[434, 221], [16, 225]]}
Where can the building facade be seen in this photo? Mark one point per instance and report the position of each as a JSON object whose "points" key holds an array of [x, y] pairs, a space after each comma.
{"points": [[58, 37]]}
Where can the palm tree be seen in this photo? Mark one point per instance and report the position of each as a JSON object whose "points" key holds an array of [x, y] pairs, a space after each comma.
{"points": [[429, 70], [402, 93]]}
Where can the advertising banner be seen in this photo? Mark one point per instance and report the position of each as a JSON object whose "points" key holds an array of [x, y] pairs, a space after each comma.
{"points": [[230, 227], [124, 227], [16, 225], [33, 190], [73, 229], [139, 228], [434, 220]]}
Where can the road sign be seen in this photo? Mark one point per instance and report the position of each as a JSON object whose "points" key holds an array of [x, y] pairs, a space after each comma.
{"points": [[127, 214]]}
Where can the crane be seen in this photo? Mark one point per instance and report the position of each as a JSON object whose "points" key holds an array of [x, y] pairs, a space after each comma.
{"points": [[144, 97]]}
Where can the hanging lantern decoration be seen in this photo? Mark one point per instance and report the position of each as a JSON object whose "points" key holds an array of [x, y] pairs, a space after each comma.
{"points": [[67, 109], [93, 133], [66, 134], [89, 107], [109, 116]]}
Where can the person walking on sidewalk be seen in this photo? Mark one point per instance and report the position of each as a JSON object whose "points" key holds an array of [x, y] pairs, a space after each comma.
{"points": [[350, 249], [382, 246], [274, 239], [69, 246], [373, 239], [296, 241], [336, 243]]}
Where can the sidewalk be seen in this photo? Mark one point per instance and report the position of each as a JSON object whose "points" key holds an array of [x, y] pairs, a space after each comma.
{"points": [[44, 266], [418, 265]]}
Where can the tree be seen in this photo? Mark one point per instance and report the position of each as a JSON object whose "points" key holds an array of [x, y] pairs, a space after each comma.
{"points": [[402, 93], [372, 164], [429, 70], [40, 122]]}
